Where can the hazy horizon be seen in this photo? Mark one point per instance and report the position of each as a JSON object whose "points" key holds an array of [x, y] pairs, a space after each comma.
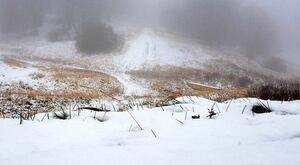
{"points": [[258, 28]]}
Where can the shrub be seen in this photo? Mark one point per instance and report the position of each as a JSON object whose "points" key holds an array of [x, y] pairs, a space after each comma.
{"points": [[95, 38], [243, 81], [283, 91], [260, 108], [62, 116]]}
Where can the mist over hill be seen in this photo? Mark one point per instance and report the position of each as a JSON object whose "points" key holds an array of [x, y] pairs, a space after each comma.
{"points": [[257, 29]]}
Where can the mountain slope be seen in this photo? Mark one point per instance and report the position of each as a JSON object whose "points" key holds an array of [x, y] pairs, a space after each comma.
{"points": [[151, 63]]}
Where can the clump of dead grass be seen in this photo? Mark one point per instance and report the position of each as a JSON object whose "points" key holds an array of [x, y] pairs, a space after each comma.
{"points": [[282, 91], [14, 62]]}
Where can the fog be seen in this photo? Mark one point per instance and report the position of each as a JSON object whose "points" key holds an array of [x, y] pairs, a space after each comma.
{"points": [[254, 28], [286, 15]]}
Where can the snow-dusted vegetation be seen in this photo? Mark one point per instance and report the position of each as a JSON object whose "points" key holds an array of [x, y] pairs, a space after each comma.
{"points": [[163, 135]]}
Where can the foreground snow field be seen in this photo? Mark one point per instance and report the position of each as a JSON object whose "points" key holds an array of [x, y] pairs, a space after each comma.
{"points": [[232, 137]]}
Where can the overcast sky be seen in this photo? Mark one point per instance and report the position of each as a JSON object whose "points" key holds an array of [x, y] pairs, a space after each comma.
{"points": [[286, 15]]}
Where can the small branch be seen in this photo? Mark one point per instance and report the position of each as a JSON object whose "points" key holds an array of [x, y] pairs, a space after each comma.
{"points": [[244, 109], [21, 118], [135, 120], [179, 121], [93, 109], [153, 133], [44, 117], [228, 106], [218, 108]]}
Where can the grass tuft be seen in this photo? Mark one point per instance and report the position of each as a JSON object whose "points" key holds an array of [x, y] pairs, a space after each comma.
{"points": [[261, 108], [62, 116]]}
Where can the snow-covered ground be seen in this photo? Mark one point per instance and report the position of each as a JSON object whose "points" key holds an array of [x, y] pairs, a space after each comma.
{"points": [[144, 50], [148, 50], [132, 87], [10, 75], [231, 138], [15, 74]]}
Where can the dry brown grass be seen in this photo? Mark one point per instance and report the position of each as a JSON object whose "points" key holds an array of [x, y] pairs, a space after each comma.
{"points": [[173, 82], [167, 81], [168, 73], [55, 94], [37, 76], [92, 83], [214, 73], [64, 73], [14, 62], [228, 94], [70, 83], [85, 83]]}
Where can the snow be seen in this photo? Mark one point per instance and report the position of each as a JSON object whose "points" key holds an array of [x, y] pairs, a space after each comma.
{"points": [[53, 49], [132, 87], [144, 50], [10, 76], [16, 74], [231, 138], [149, 50]]}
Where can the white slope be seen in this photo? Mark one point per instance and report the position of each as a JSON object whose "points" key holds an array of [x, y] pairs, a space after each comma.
{"points": [[15, 76], [10, 74], [148, 50], [132, 87], [231, 138], [145, 50]]}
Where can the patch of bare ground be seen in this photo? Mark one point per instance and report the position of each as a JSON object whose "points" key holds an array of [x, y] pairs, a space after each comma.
{"points": [[37, 76], [70, 86], [172, 81], [13, 62], [17, 99], [48, 62], [69, 82], [86, 82], [55, 94], [29, 101]]}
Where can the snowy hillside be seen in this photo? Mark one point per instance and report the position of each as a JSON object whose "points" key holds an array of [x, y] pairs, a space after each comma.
{"points": [[144, 50], [9, 74], [148, 50], [148, 60], [234, 137], [141, 82]]}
